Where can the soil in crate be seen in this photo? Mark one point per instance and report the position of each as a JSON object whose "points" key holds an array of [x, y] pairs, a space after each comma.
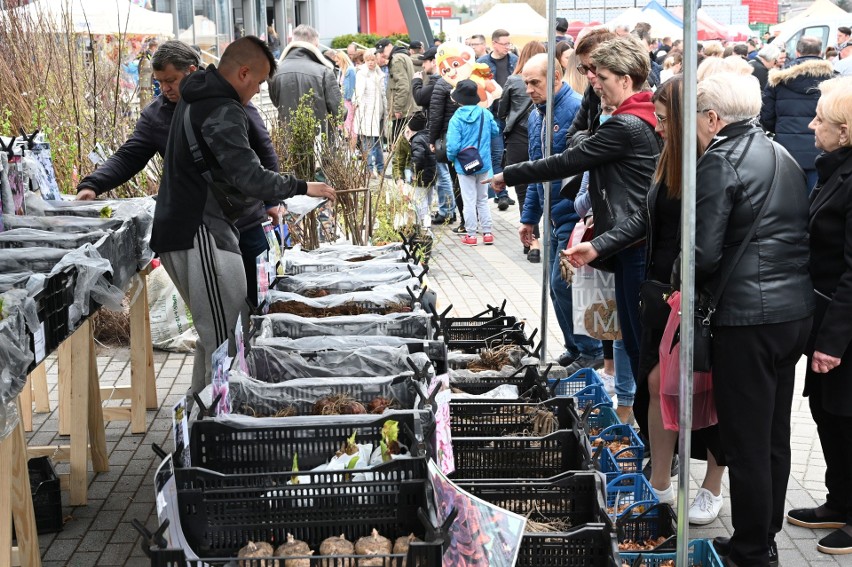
{"points": [[348, 308], [361, 258]]}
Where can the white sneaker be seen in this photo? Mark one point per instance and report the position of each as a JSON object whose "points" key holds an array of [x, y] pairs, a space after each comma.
{"points": [[666, 496], [705, 508], [608, 382]]}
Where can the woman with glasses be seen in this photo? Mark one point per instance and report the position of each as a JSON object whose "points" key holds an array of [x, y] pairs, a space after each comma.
{"points": [[762, 317], [621, 157]]}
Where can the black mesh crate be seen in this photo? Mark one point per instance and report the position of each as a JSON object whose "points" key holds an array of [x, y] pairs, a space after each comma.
{"points": [[416, 325], [421, 555], [591, 545], [47, 495], [242, 450], [220, 513], [573, 498], [656, 522], [490, 418], [471, 334], [520, 457], [34, 238], [53, 303], [531, 384]]}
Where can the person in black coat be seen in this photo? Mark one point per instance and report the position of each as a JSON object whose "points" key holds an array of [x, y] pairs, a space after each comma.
{"points": [[441, 110], [763, 315], [789, 103], [765, 60], [423, 166], [828, 382]]}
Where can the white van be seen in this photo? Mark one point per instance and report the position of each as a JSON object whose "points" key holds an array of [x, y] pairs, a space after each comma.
{"points": [[821, 27]]}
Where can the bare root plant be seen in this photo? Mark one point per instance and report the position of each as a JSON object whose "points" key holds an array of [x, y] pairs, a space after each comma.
{"points": [[68, 85]]}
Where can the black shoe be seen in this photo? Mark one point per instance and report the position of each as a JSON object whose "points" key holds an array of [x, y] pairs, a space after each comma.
{"points": [[526, 250], [438, 219], [534, 256], [807, 518], [566, 359], [510, 200], [837, 542], [584, 361], [503, 202], [674, 471], [453, 218], [722, 545], [460, 229]]}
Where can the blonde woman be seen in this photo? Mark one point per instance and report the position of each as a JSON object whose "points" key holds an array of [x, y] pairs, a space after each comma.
{"points": [[370, 106], [347, 87], [577, 80]]}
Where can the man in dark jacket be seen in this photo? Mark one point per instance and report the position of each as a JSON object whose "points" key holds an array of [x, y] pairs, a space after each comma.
{"points": [[171, 63], [422, 92], [765, 60], [581, 350], [789, 104], [304, 68], [210, 171], [441, 110]]}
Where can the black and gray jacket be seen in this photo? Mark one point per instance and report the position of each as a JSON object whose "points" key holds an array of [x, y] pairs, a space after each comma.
{"points": [[185, 200], [441, 109], [303, 69]]}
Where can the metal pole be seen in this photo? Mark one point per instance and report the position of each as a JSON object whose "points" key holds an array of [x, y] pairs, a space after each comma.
{"points": [[687, 270], [548, 142], [175, 19]]}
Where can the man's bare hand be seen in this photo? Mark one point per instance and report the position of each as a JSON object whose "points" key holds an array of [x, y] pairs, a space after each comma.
{"points": [[822, 363], [86, 195], [317, 189], [432, 147], [496, 182], [525, 232], [275, 213]]}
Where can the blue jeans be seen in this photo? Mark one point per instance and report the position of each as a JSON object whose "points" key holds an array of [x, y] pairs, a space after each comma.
{"points": [[375, 157], [563, 304], [625, 382], [446, 199], [629, 273], [496, 153]]}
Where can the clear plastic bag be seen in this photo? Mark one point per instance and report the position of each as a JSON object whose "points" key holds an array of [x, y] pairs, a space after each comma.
{"points": [[298, 262], [357, 279], [378, 298], [269, 364], [347, 251], [18, 316], [703, 402], [33, 238], [91, 284], [61, 224], [593, 298], [415, 325]]}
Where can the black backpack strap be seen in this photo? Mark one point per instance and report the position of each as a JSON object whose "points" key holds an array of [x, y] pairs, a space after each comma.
{"points": [[195, 148]]}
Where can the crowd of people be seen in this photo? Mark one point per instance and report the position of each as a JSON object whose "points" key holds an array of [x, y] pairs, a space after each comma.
{"points": [[773, 266]]}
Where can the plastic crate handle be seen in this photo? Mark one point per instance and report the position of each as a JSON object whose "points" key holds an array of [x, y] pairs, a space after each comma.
{"points": [[151, 539]]}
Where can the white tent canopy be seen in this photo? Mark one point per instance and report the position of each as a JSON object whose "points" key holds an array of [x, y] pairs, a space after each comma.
{"points": [[660, 25], [518, 19], [100, 17], [204, 30]]}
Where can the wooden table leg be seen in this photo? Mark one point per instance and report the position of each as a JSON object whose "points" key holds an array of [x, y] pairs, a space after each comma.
{"points": [[141, 356], [40, 394], [22, 502], [26, 405], [6, 451], [97, 434], [64, 361], [79, 406]]}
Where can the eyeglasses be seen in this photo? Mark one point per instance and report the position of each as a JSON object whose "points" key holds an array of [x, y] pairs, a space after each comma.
{"points": [[586, 70], [475, 44], [661, 119], [506, 44]]}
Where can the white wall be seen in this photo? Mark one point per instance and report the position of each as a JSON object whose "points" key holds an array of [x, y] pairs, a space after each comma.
{"points": [[334, 18]]}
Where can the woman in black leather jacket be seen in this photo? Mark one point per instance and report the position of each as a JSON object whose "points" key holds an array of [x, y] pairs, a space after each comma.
{"points": [[763, 317], [621, 157]]}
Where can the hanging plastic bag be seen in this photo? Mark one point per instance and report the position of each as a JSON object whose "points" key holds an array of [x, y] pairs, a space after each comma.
{"points": [[703, 403], [593, 296]]}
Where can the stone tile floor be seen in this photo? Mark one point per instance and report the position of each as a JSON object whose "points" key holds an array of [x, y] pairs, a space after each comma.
{"points": [[467, 278]]}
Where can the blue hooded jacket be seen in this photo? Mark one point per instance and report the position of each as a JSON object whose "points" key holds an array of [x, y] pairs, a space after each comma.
{"points": [[562, 213], [463, 131]]}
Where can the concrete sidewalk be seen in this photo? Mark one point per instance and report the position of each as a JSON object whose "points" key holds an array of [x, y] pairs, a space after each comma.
{"points": [[468, 278]]}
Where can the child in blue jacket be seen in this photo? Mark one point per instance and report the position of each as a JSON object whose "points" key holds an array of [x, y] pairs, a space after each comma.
{"points": [[472, 127]]}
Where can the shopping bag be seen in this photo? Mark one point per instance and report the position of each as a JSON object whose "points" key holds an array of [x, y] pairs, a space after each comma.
{"points": [[593, 296], [703, 403]]}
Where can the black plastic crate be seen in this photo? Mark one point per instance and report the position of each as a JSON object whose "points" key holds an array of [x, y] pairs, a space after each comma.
{"points": [[574, 498], [490, 418], [47, 495], [421, 555], [471, 334], [220, 513], [415, 325], [35, 238], [520, 457], [246, 450], [530, 383], [658, 521], [53, 304], [591, 545]]}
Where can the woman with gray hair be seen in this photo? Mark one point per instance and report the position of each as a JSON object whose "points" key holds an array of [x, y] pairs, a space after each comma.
{"points": [[758, 299]]}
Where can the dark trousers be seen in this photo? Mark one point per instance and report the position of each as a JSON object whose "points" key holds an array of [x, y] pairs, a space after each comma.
{"points": [[252, 243], [754, 371], [629, 274], [517, 151], [835, 436], [457, 192]]}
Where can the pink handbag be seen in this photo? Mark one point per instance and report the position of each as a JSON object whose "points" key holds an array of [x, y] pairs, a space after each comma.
{"points": [[703, 403]]}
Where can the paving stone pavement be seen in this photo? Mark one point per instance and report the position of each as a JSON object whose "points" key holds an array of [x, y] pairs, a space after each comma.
{"points": [[468, 278]]}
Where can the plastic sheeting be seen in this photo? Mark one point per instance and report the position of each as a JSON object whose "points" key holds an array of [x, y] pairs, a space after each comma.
{"points": [[297, 262], [61, 224], [362, 278], [415, 325], [376, 298], [18, 316], [269, 364], [345, 251], [253, 397], [91, 284], [34, 238], [30, 259]]}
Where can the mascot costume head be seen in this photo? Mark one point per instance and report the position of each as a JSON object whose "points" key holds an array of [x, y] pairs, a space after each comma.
{"points": [[457, 62]]}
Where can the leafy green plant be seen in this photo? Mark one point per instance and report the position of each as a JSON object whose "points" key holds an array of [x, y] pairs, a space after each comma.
{"points": [[366, 39]]}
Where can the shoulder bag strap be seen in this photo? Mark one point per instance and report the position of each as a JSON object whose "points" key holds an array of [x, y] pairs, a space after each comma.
{"points": [[481, 124], [195, 148], [744, 244]]}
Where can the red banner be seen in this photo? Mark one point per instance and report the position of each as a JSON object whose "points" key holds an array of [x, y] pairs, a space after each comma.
{"points": [[439, 11]]}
